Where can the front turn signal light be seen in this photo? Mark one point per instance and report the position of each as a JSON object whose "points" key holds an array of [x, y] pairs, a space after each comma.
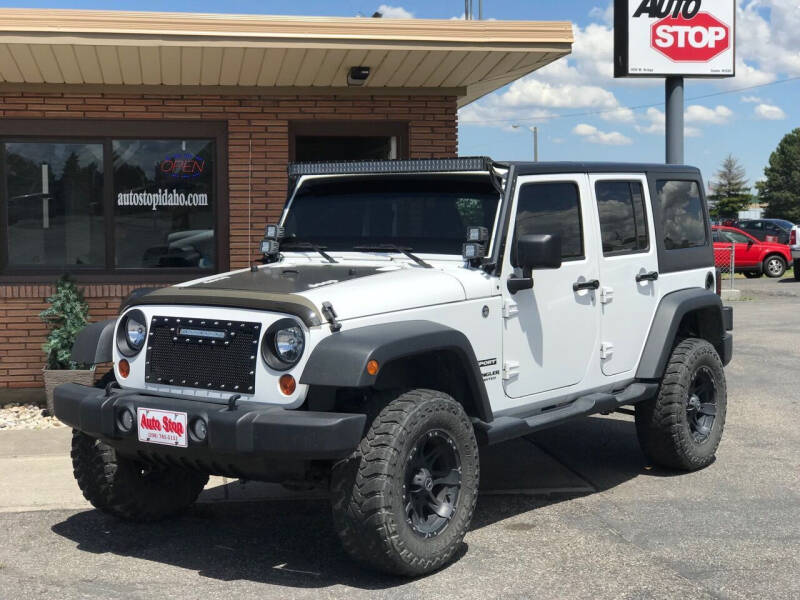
{"points": [[372, 367], [287, 384], [124, 368]]}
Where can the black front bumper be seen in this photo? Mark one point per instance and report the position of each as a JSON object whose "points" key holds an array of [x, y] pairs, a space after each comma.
{"points": [[242, 441]]}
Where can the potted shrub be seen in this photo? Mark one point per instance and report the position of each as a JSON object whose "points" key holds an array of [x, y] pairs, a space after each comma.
{"points": [[67, 315]]}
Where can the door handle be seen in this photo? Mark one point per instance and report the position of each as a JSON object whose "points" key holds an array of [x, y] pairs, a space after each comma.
{"points": [[651, 276], [592, 284]]}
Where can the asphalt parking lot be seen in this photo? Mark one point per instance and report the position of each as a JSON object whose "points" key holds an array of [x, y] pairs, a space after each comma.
{"points": [[578, 514]]}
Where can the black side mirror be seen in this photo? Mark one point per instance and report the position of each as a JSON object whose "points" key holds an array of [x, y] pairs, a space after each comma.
{"points": [[534, 251]]}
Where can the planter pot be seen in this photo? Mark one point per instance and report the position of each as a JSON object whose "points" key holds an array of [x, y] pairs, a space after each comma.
{"points": [[52, 379]]}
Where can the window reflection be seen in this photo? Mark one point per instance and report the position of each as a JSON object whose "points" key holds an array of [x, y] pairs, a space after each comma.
{"points": [[54, 203], [164, 202], [552, 208]]}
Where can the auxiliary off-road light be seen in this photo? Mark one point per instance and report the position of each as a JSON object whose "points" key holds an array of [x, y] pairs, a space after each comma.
{"points": [[125, 420], [270, 247], [477, 234], [287, 384], [200, 429], [473, 251], [124, 368], [273, 232]]}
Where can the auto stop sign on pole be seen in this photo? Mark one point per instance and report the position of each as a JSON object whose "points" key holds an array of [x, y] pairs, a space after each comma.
{"points": [[674, 39]]}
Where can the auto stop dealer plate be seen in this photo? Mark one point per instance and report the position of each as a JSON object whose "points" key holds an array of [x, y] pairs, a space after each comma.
{"points": [[162, 427]]}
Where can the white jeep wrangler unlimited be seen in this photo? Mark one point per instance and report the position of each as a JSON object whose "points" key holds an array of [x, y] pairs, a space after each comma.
{"points": [[407, 312]]}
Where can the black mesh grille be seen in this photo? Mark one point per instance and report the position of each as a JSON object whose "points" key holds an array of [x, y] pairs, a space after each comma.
{"points": [[207, 354]]}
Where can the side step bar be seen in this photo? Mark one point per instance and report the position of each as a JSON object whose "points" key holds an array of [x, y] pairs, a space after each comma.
{"points": [[507, 428]]}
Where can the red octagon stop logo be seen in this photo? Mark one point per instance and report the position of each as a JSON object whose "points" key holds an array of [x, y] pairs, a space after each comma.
{"points": [[698, 39]]}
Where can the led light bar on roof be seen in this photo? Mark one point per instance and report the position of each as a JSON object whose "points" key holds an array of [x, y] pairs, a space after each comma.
{"points": [[423, 165]]}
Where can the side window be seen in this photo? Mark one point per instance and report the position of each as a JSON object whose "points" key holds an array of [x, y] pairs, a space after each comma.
{"points": [[736, 237], [715, 236], [552, 207], [681, 212], [623, 225]]}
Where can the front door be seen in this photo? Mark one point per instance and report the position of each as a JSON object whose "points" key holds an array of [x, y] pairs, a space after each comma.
{"points": [[746, 252], [628, 295], [551, 331]]}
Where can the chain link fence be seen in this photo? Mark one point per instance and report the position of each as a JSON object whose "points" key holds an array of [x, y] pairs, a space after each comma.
{"points": [[724, 261]]}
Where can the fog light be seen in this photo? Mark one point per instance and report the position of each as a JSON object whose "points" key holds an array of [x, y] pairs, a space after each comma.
{"points": [[200, 429], [287, 384], [124, 368], [125, 420]]}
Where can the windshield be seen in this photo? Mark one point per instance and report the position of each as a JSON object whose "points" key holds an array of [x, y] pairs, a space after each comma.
{"points": [[427, 214]]}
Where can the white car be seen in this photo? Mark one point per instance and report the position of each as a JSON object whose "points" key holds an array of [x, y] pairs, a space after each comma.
{"points": [[405, 313]]}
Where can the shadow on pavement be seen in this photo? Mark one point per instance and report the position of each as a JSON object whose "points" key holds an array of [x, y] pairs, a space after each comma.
{"points": [[292, 542]]}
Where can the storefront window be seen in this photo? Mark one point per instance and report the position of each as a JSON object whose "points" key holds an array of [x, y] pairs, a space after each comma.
{"points": [[121, 198], [54, 203], [164, 203]]}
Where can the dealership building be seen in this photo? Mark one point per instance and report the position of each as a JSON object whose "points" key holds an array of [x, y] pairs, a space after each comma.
{"points": [[144, 149]]}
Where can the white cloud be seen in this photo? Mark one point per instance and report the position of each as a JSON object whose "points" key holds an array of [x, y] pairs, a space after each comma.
{"points": [[531, 99], [773, 43], [654, 120], [752, 99], [592, 134], [718, 115], [769, 112], [606, 15], [394, 12]]}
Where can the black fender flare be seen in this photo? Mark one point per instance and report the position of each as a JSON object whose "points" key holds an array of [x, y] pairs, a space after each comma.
{"points": [[94, 343], [664, 329], [340, 360]]}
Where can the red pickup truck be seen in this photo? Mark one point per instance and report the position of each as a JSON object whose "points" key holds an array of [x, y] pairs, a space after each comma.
{"points": [[752, 257]]}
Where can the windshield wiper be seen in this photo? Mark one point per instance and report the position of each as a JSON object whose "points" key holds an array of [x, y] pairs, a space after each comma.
{"points": [[294, 245], [393, 248]]}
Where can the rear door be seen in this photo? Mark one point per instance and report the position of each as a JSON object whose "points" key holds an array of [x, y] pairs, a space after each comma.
{"points": [[628, 294]]}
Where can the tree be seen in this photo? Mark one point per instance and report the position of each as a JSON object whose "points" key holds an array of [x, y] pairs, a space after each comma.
{"points": [[780, 190], [730, 191]]}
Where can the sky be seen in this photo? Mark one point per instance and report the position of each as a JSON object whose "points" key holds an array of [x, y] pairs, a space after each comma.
{"points": [[580, 110]]}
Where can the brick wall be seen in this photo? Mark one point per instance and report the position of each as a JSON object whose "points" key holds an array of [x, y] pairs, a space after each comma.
{"points": [[257, 125]]}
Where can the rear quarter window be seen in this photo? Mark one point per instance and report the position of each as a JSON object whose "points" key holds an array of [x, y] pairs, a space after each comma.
{"points": [[681, 212]]}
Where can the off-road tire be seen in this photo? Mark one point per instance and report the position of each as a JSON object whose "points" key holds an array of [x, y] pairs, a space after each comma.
{"points": [[662, 423], [128, 489], [774, 266], [367, 488]]}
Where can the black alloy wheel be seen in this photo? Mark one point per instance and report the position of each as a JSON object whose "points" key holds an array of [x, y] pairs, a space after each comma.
{"points": [[701, 408], [432, 483]]}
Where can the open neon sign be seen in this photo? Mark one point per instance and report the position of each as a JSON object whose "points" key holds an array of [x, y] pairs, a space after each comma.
{"points": [[183, 166]]}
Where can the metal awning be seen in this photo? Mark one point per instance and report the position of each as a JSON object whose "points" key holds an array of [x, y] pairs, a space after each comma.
{"points": [[269, 54]]}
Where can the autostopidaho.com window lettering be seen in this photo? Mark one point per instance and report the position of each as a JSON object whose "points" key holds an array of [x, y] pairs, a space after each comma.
{"points": [[162, 197]]}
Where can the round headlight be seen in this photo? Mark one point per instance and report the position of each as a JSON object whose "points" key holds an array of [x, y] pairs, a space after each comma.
{"points": [[132, 333], [135, 331], [289, 344], [283, 344]]}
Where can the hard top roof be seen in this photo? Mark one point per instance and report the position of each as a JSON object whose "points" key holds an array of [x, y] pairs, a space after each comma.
{"points": [[545, 168]]}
